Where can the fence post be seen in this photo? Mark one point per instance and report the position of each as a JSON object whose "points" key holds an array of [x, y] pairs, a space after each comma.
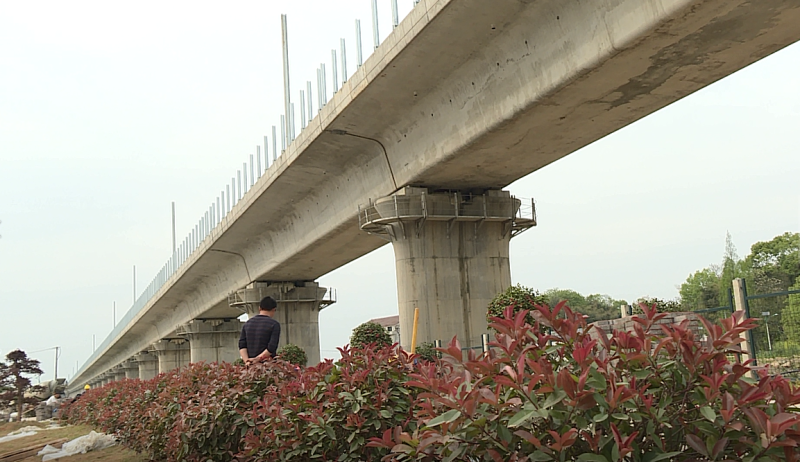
{"points": [[624, 311], [485, 342], [740, 303]]}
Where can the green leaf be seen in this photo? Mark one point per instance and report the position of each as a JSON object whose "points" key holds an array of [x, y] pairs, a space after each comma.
{"points": [[521, 417], [504, 433], [385, 413], [619, 416], [587, 457], [600, 418], [554, 398], [663, 456], [708, 413], [447, 417], [540, 456]]}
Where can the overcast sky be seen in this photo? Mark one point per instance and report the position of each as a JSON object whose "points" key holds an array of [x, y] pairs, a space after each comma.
{"points": [[111, 111]]}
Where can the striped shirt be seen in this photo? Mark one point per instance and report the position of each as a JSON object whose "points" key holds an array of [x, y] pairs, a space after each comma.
{"points": [[260, 333]]}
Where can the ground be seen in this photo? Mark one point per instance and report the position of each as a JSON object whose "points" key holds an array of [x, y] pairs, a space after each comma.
{"points": [[112, 454]]}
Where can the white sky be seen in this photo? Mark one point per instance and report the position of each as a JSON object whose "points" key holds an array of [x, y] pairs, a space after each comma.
{"points": [[110, 111]]}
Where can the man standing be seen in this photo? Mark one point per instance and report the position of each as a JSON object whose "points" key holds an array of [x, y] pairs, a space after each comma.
{"points": [[260, 334]]}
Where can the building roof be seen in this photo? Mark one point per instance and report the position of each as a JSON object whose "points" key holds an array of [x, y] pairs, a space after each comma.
{"points": [[387, 321]]}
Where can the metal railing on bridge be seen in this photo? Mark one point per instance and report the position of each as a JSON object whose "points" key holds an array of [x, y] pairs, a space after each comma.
{"points": [[251, 172]]}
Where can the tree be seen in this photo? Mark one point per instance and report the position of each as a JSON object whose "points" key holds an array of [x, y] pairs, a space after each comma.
{"points": [[13, 380], [370, 333], [600, 307], [702, 289], [518, 296], [293, 354], [595, 306], [775, 264], [662, 306], [732, 268]]}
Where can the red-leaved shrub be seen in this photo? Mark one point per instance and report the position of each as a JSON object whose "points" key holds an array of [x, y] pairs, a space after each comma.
{"points": [[553, 392], [556, 390]]}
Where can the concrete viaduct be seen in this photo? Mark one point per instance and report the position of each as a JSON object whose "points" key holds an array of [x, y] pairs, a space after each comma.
{"points": [[463, 98]]}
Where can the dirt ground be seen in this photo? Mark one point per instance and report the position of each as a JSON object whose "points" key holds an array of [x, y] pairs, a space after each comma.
{"points": [[112, 454]]}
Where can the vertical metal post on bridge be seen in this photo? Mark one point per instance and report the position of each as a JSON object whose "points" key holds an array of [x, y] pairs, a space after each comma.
{"points": [[286, 90], [283, 132], [344, 61], [375, 35], [334, 72], [324, 84], [258, 161], [274, 145], [310, 109], [359, 52], [395, 15]]}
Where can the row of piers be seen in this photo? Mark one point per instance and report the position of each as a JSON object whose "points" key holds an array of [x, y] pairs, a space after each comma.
{"points": [[451, 255]]}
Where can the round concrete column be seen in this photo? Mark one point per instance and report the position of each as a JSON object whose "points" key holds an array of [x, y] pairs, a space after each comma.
{"points": [[213, 340], [299, 304], [119, 373], [148, 365], [172, 354], [131, 369], [451, 256]]}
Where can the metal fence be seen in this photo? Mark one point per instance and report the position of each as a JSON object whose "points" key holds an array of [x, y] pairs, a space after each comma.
{"points": [[771, 342]]}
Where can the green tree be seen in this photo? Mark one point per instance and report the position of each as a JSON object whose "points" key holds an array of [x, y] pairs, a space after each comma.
{"points": [[600, 307], [701, 290], [732, 268], [13, 380], [370, 333], [595, 306], [518, 296], [293, 354], [775, 264], [663, 306]]}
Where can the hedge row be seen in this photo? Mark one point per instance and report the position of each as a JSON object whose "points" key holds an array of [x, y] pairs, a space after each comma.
{"points": [[551, 390]]}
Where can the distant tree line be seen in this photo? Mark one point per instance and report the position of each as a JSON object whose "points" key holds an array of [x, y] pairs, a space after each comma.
{"points": [[771, 266]]}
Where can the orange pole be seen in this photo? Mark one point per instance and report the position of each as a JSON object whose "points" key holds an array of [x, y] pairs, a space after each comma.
{"points": [[414, 331]]}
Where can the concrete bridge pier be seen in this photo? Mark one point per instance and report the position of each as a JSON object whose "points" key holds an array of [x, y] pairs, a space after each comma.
{"points": [[131, 369], [451, 255], [147, 364], [299, 304], [172, 354], [119, 373], [107, 378], [213, 340]]}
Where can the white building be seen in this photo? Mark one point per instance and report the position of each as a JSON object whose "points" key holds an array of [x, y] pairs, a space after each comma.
{"points": [[392, 326]]}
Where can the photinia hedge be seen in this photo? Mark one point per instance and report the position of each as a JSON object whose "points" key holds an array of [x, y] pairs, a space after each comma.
{"points": [[553, 390]]}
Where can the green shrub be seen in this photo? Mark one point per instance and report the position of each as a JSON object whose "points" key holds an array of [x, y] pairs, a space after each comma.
{"points": [[551, 391], [557, 391], [427, 351], [294, 354], [518, 296], [370, 333], [663, 306]]}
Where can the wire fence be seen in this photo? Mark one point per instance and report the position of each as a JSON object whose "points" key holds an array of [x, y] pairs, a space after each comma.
{"points": [[776, 340]]}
